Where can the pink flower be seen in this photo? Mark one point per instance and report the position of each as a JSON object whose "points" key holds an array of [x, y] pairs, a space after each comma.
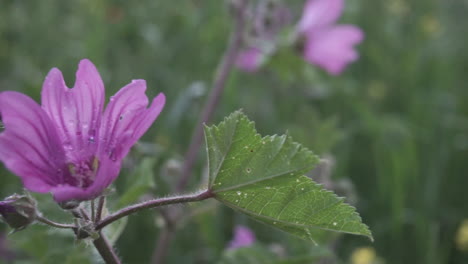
{"points": [[243, 237], [69, 146], [250, 60], [328, 45]]}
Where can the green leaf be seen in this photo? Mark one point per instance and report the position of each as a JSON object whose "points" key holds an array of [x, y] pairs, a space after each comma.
{"points": [[263, 178]]}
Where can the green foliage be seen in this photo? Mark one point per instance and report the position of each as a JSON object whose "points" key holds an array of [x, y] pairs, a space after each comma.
{"points": [[48, 245], [259, 254], [142, 181], [263, 178], [255, 254]]}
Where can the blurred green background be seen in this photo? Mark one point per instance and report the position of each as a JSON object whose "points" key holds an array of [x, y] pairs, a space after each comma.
{"points": [[396, 122]]}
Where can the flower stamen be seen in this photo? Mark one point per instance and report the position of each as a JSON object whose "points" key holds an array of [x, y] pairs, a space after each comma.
{"points": [[84, 172]]}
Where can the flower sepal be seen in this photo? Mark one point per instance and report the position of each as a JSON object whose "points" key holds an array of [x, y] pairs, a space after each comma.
{"points": [[69, 205], [18, 211], [85, 229]]}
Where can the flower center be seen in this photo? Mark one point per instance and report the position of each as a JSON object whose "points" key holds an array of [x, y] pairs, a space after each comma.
{"points": [[83, 173]]}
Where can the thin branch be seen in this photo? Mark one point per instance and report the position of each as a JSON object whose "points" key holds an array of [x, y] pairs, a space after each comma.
{"points": [[151, 204], [93, 211], [106, 250], [219, 83], [100, 208], [223, 70], [54, 224], [84, 214], [162, 246]]}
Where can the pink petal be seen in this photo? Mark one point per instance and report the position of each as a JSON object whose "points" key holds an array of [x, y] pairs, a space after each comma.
{"points": [[319, 13], [29, 145], [76, 112], [249, 60], [127, 118], [107, 172], [332, 48]]}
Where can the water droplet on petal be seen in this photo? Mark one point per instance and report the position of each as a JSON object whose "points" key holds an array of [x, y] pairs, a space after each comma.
{"points": [[68, 146]]}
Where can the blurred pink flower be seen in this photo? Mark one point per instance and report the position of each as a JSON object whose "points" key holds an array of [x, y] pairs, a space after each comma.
{"points": [[250, 59], [328, 45], [243, 237], [70, 147]]}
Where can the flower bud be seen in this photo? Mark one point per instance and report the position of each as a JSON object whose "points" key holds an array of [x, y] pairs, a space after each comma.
{"points": [[69, 205], [18, 211]]}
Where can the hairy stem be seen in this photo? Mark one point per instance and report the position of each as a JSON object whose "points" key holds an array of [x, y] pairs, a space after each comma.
{"points": [[106, 250], [222, 73], [93, 211], [100, 207], [84, 214], [151, 204], [54, 224]]}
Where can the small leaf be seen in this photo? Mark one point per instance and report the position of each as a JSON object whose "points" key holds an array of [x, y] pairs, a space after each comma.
{"points": [[263, 178]]}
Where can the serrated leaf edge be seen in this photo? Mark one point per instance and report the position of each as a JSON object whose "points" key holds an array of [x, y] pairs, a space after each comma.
{"points": [[242, 116], [247, 212]]}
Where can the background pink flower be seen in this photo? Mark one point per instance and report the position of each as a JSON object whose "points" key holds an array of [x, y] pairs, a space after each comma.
{"points": [[243, 237], [250, 60], [328, 45]]}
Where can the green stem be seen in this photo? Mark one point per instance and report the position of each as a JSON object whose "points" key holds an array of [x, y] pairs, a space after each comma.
{"points": [[223, 71]]}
